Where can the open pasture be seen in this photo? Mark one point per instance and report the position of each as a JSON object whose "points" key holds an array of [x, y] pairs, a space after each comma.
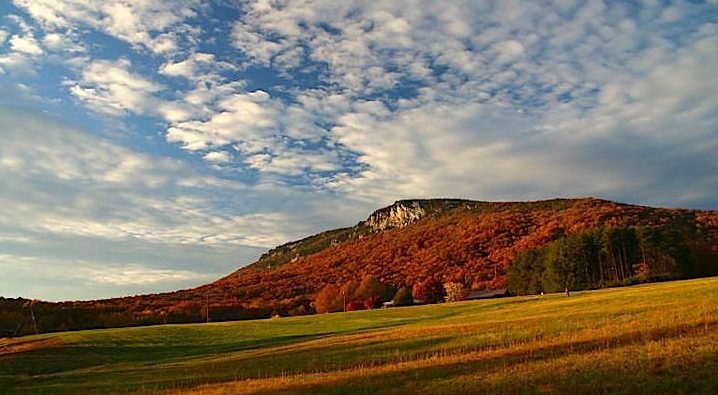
{"points": [[657, 338]]}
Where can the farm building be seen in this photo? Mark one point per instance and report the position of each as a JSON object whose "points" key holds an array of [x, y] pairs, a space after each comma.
{"points": [[488, 294]]}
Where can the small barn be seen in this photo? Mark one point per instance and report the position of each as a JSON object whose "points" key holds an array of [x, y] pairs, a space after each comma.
{"points": [[488, 294]]}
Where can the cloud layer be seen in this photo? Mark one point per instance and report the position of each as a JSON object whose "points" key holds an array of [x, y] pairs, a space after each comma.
{"points": [[230, 128]]}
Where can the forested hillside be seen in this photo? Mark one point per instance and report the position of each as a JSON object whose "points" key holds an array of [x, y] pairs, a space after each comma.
{"points": [[420, 246]]}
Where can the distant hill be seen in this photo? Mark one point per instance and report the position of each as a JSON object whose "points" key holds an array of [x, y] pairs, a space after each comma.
{"points": [[406, 243]]}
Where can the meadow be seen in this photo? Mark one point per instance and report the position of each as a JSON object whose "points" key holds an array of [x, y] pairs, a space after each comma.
{"points": [[647, 339]]}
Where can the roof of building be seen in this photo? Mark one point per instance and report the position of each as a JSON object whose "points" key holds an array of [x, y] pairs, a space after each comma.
{"points": [[490, 293]]}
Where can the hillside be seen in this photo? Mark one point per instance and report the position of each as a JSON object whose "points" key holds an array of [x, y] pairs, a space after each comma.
{"points": [[411, 241], [650, 339], [408, 243]]}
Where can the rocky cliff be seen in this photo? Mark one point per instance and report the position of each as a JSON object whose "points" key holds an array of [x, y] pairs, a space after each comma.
{"points": [[400, 214], [405, 212]]}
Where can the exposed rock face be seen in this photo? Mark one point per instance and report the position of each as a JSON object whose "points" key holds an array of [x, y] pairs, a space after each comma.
{"points": [[398, 215], [405, 212]]}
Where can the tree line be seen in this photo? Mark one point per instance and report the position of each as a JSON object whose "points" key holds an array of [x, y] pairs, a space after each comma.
{"points": [[371, 293], [368, 293], [609, 256]]}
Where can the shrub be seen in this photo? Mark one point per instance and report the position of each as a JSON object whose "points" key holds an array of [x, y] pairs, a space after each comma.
{"points": [[454, 292], [371, 288], [429, 290], [403, 297]]}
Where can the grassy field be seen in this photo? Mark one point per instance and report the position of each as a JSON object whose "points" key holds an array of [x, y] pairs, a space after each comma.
{"points": [[659, 338]]}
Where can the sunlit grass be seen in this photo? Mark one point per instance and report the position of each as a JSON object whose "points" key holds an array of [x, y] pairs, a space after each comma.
{"points": [[659, 338]]}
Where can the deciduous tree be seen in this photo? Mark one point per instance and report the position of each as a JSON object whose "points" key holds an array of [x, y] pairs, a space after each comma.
{"points": [[328, 300], [454, 291]]}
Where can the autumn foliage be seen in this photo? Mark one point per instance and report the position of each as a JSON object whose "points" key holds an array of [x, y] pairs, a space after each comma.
{"points": [[470, 244], [454, 292], [329, 300]]}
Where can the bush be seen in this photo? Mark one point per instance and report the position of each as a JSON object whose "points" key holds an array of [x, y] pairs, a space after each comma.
{"points": [[634, 280], [428, 291], [371, 289], [454, 292], [403, 297]]}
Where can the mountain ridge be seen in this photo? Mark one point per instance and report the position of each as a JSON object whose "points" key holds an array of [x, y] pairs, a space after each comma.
{"points": [[410, 242], [399, 214], [605, 212]]}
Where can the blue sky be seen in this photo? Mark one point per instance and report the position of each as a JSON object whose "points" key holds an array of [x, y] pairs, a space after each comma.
{"points": [[149, 146]]}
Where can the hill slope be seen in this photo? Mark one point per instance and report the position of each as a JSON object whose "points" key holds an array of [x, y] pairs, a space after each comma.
{"points": [[650, 339], [407, 243], [411, 241]]}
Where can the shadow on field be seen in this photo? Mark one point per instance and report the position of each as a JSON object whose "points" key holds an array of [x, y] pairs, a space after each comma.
{"points": [[128, 367], [69, 368], [71, 357], [626, 376]]}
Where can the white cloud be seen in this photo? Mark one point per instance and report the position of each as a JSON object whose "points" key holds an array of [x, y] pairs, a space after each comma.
{"points": [[131, 274], [110, 87], [198, 66], [24, 49], [205, 94], [54, 41], [294, 162], [134, 274], [250, 118], [62, 42], [188, 67], [458, 50], [26, 45], [637, 144], [509, 49], [270, 136], [441, 59], [16, 62], [217, 156], [85, 217], [49, 278], [113, 88], [143, 23], [672, 13], [67, 182], [511, 57]]}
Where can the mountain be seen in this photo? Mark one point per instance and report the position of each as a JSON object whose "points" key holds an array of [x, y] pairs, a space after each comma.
{"points": [[407, 243], [413, 240], [400, 214]]}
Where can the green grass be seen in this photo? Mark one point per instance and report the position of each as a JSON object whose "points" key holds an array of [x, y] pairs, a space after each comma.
{"points": [[658, 338]]}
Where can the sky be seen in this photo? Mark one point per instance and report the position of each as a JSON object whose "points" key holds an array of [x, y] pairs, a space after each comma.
{"points": [[148, 145]]}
